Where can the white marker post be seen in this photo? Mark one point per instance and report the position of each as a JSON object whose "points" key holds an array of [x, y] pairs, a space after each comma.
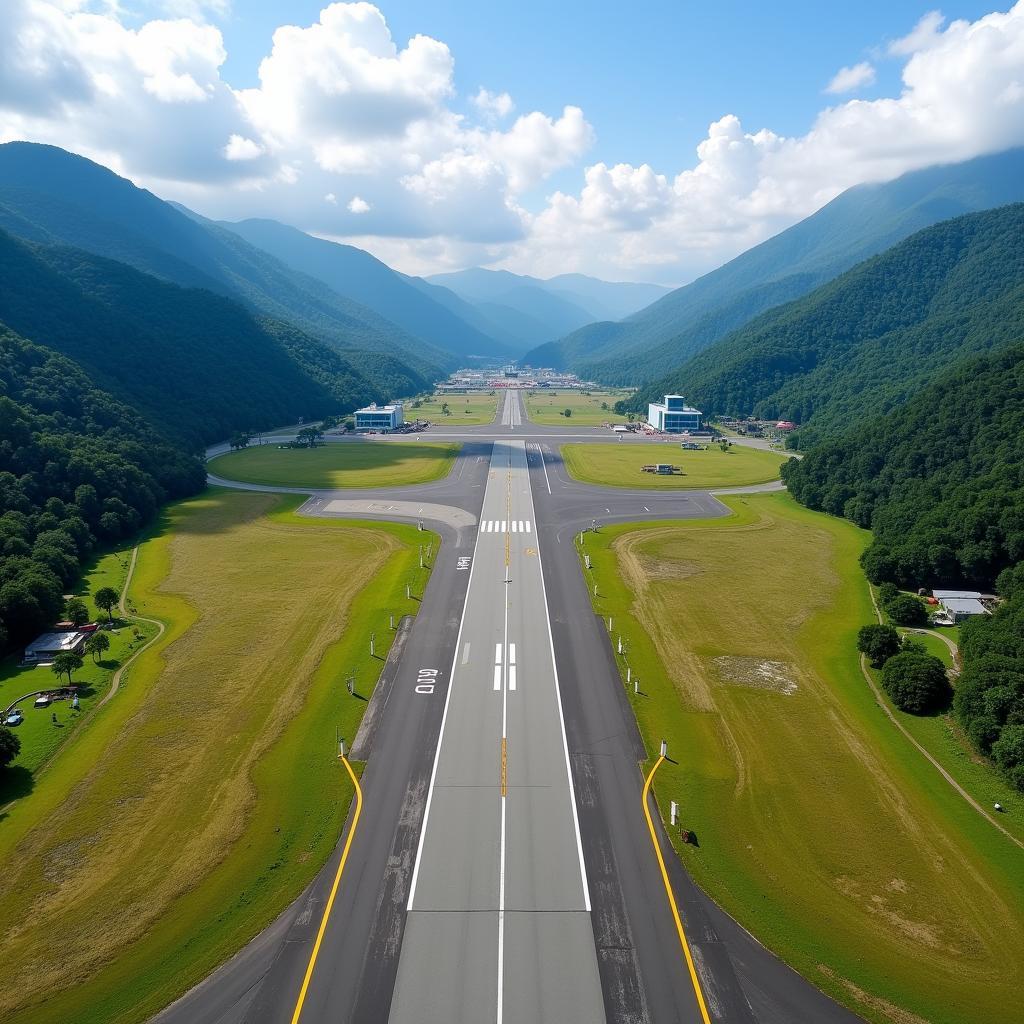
{"points": [[664, 748], [629, 674], [636, 686], [674, 811], [407, 594], [620, 645], [391, 621], [341, 747], [373, 637]]}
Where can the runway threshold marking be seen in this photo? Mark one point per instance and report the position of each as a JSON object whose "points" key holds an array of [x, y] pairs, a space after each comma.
{"points": [[334, 892], [683, 941]]}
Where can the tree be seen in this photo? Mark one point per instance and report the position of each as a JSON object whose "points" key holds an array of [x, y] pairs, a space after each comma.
{"points": [[76, 611], [916, 683], [1008, 752], [96, 643], [879, 643], [906, 610], [10, 746], [108, 599], [239, 439], [445, 411], [604, 406], [567, 413], [66, 664]]}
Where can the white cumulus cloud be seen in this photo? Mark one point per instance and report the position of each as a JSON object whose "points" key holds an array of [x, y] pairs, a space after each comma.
{"points": [[358, 205], [851, 78]]}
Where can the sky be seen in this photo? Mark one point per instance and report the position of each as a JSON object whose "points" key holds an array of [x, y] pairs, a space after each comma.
{"points": [[650, 142]]}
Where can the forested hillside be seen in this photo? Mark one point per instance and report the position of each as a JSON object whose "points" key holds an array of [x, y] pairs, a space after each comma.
{"points": [[52, 196], [196, 365], [864, 343], [77, 468], [861, 222], [940, 481]]}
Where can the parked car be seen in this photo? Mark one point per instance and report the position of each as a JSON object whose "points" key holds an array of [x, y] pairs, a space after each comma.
{"points": [[42, 701], [14, 718]]}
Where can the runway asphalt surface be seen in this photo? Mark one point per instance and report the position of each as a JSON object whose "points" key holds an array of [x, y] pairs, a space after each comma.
{"points": [[464, 897]]}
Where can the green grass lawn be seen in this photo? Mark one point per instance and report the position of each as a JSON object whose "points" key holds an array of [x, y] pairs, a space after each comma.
{"points": [[620, 465], [820, 827], [464, 410], [546, 407], [205, 796], [339, 464]]}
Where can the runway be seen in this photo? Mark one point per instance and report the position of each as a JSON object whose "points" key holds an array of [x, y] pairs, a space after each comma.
{"points": [[500, 907]]}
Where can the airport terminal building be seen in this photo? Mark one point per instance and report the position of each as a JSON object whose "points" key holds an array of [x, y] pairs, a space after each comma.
{"points": [[380, 417], [673, 415]]}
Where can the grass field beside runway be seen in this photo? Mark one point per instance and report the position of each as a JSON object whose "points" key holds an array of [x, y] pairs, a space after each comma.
{"points": [[620, 465], [339, 464], [463, 410], [207, 794], [820, 827], [546, 407]]}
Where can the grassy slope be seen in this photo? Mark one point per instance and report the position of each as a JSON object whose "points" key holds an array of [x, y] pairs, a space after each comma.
{"points": [[173, 830], [546, 407], [341, 464], [466, 410], [820, 828], [619, 465]]}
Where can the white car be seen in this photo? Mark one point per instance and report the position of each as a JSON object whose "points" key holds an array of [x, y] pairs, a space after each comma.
{"points": [[42, 701], [14, 718]]}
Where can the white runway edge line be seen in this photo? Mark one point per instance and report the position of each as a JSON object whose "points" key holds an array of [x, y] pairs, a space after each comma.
{"points": [[565, 741], [440, 735]]}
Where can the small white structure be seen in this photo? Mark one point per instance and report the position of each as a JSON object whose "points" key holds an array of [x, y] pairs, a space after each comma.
{"points": [[673, 415], [44, 648], [380, 417], [957, 605]]}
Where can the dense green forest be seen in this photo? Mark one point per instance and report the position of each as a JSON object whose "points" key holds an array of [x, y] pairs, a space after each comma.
{"points": [[989, 698], [861, 222], [198, 366], [940, 481], [77, 468], [864, 343]]}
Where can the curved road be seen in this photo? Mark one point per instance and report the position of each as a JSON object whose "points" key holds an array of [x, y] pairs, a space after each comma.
{"points": [[492, 860]]}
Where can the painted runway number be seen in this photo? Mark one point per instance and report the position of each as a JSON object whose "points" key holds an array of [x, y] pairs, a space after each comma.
{"points": [[426, 679]]}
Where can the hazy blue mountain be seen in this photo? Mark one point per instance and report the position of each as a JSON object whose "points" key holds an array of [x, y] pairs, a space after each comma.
{"points": [[534, 310], [48, 194], [878, 334], [861, 222], [359, 276]]}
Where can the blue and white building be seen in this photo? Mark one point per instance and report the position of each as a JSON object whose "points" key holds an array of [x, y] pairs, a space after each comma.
{"points": [[673, 415], [380, 417]]}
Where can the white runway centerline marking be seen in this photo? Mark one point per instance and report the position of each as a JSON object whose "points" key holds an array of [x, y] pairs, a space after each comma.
{"points": [[465, 653]]}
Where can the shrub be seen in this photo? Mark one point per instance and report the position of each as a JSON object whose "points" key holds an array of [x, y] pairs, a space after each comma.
{"points": [[879, 643], [906, 610], [916, 683]]}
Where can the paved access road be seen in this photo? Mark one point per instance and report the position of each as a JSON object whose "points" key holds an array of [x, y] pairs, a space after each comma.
{"points": [[467, 900]]}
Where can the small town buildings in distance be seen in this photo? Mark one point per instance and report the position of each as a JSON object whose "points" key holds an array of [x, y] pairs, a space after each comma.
{"points": [[673, 415], [380, 417]]}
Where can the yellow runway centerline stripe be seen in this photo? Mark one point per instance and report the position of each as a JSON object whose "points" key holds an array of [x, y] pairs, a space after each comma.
{"points": [[672, 899], [334, 892]]}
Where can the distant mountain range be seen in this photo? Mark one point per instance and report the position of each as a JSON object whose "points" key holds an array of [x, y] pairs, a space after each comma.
{"points": [[861, 222], [535, 309]]}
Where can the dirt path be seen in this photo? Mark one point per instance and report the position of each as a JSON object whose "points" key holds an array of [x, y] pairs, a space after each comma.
{"points": [[115, 682], [882, 703]]}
